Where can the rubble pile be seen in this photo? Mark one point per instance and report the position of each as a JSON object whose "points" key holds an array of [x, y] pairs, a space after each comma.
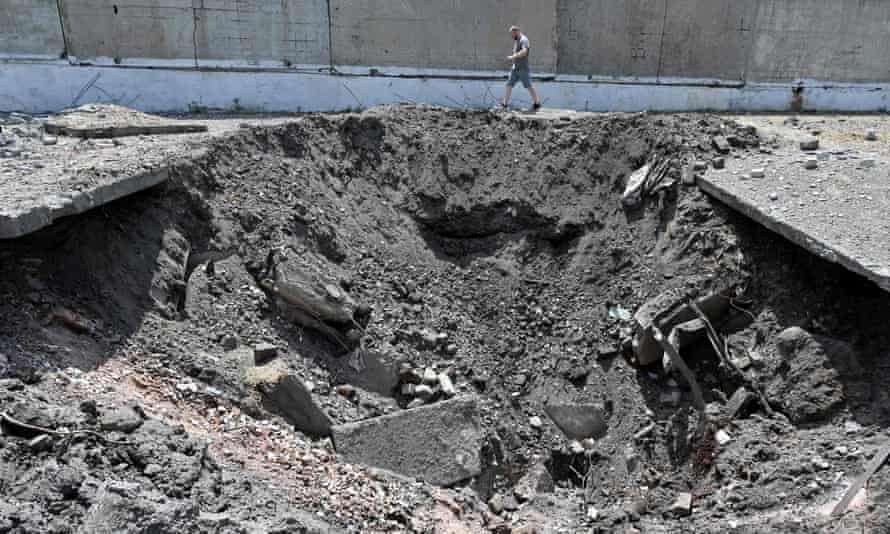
{"points": [[413, 319]]}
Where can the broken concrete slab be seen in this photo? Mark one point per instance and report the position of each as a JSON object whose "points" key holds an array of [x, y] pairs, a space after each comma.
{"points": [[833, 212], [19, 219], [578, 421], [108, 120], [440, 443]]}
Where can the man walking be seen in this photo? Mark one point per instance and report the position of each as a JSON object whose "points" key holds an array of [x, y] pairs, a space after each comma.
{"points": [[520, 71]]}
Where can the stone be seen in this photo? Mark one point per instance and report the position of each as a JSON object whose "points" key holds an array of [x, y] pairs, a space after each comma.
{"points": [[633, 191], [592, 513], [430, 377], [536, 481], [666, 311], [125, 419], [41, 443], [230, 342], [575, 447], [758, 173], [49, 140], [867, 163], [578, 421], [774, 196], [264, 353], [722, 437], [152, 470], [424, 392], [446, 386], [871, 135], [682, 505], [721, 144], [496, 504], [409, 375], [439, 443], [809, 143], [739, 402], [293, 400], [808, 384], [535, 422], [811, 163], [719, 163]]}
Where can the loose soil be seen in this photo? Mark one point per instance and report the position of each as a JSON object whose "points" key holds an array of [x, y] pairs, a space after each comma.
{"points": [[491, 247]]}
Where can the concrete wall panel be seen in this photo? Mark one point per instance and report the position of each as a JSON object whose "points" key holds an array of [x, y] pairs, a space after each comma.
{"points": [[283, 32], [619, 38], [707, 39], [442, 34], [125, 29], [30, 29], [821, 39]]}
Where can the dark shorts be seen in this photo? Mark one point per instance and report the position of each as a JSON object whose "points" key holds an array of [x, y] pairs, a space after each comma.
{"points": [[517, 76]]}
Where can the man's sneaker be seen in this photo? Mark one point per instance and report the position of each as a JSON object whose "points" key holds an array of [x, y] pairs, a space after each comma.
{"points": [[536, 106]]}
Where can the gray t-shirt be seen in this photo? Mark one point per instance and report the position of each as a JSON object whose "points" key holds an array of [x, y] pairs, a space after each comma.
{"points": [[521, 64]]}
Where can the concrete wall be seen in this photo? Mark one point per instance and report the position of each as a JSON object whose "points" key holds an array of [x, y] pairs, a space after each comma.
{"points": [[835, 49], [198, 32], [441, 34], [843, 40], [255, 32], [30, 29]]}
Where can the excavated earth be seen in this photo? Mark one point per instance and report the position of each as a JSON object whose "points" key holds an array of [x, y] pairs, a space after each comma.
{"points": [[494, 249]]}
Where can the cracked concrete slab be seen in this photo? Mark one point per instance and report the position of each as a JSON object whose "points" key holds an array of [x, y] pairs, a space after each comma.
{"points": [[45, 178], [107, 120], [439, 443], [836, 211]]}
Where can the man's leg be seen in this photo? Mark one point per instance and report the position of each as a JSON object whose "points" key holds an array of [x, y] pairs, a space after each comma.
{"points": [[531, 91], [508, 90]]}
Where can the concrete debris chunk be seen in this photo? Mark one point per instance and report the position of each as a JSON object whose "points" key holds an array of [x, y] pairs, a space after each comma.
{"points": [[293, 400], [536, 481], [264, 353], [811, 163], [667, 311], [809, 143], [439, 443], [683, 505], [739, 402], [578, 421], [871, 135], [43, 442], [633, 191], [721, 144], [446, 385], [125, 419]]}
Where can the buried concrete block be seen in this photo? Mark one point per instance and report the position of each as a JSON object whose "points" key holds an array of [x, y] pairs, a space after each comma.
{"points": [[578, 421], [439, 444], [293, 401], [667, 311]]}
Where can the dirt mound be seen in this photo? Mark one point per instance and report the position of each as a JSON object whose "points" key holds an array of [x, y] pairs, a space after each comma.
{"points": [[407, 254]]}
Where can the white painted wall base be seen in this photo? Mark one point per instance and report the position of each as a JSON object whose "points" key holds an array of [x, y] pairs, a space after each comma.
{"points": [[47, 87]]}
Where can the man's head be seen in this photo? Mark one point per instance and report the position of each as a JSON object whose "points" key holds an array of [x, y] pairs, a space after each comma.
{"points": [[514, 31]]}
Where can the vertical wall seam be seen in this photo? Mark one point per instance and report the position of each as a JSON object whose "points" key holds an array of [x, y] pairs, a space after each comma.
{"points": [[556, 32], [750, 45], [661, 43], [330, 39], [65, 51], [195, 30]]}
